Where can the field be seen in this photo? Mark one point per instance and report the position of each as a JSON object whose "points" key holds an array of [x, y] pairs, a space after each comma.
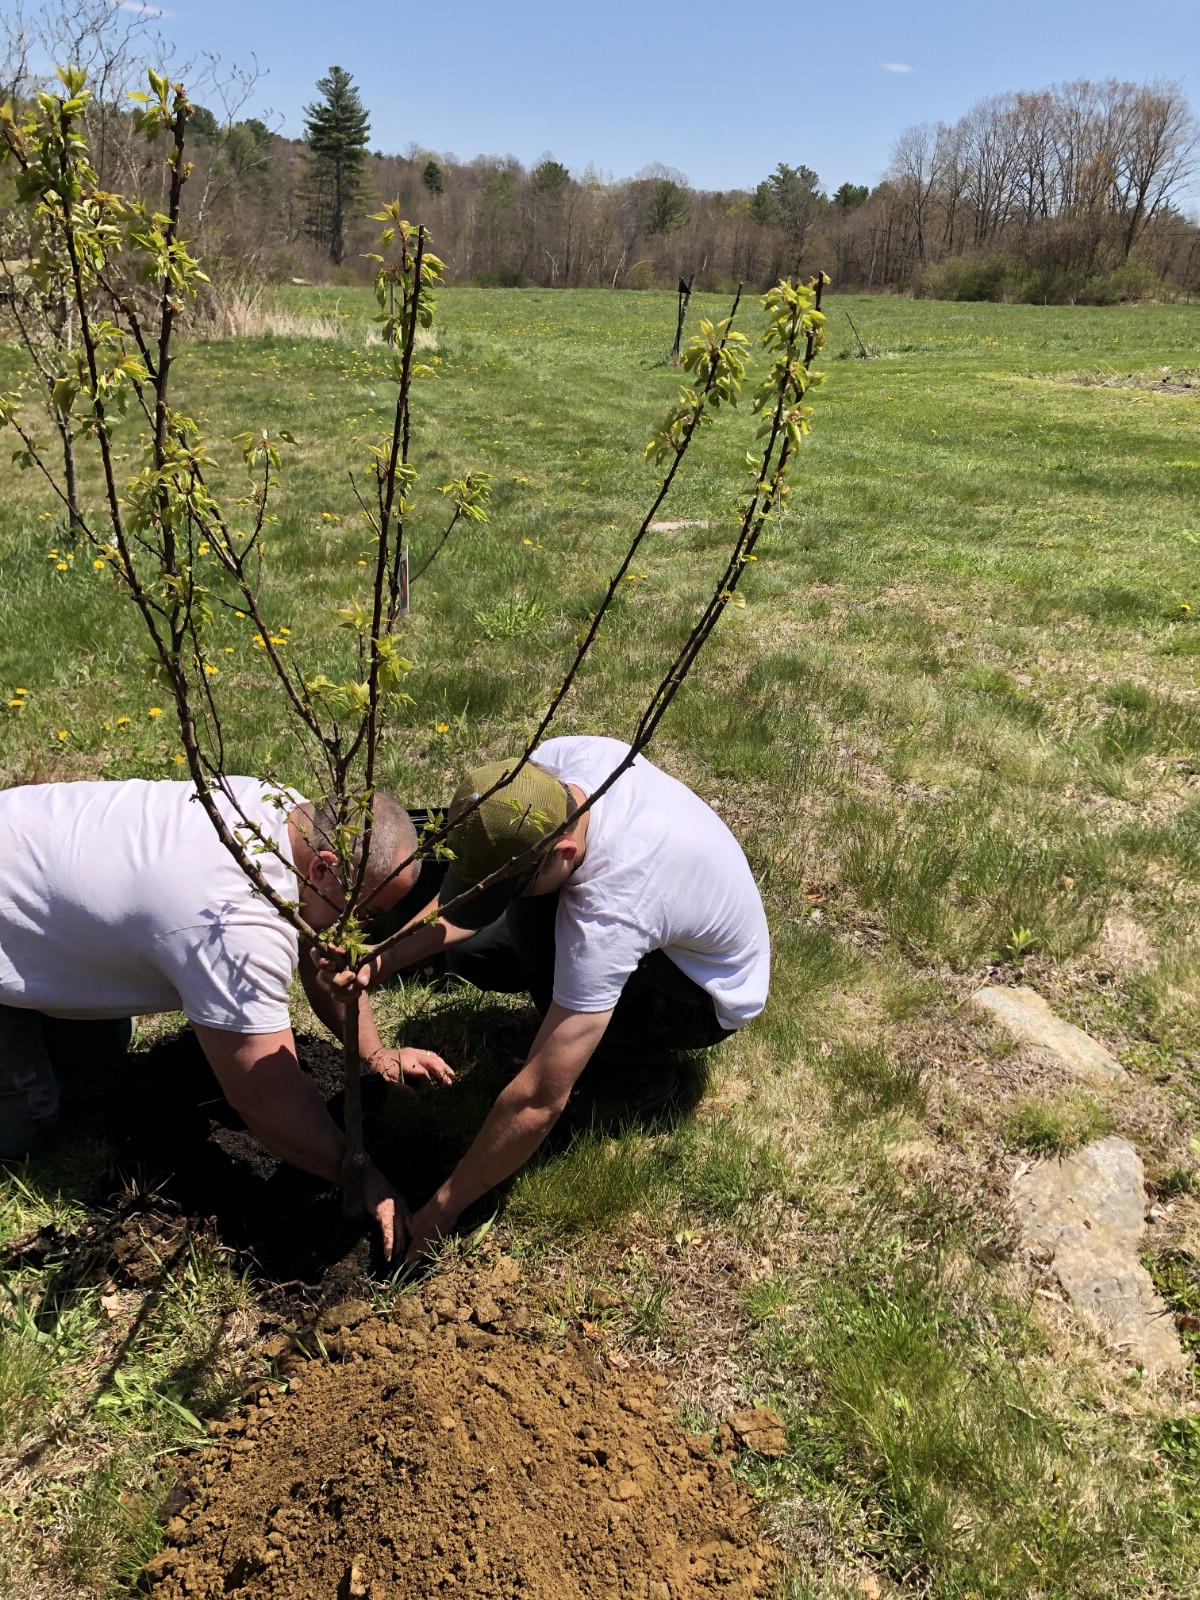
{"points": [[956, 726]]}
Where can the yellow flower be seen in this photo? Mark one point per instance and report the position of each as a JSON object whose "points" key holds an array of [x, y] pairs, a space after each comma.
{"points": [[62, 733], [211, 670], [121, 721], [443, 727], [52, 554], [19, 704], [228, 649], [260, 641], [155, 711], [179, 761], [202, 547], [285, 631], [20, 691], [1183, 606], [99, 563], [61, 566]]}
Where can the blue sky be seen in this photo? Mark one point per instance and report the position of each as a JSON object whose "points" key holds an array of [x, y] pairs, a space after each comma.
{"points": [[723, 96]]}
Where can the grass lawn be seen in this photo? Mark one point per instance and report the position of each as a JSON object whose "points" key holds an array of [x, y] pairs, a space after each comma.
{"points": [[956, 727]]}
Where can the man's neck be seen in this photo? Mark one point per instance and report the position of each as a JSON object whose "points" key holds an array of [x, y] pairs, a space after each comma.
{"points": [[581, 823]]}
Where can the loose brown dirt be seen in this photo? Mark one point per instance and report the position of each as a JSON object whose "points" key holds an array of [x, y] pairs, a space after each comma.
{"points": [[444, 1449]]}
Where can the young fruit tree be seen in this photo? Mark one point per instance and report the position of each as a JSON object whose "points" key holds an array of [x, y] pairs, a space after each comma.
{"points": [[184, 560]]}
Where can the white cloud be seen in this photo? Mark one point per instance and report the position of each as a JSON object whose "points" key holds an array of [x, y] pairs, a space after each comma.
{"points": [[888, 66], [140, 10]]}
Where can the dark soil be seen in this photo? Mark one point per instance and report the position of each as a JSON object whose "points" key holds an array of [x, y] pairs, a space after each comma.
{"points": [[183, 1160], [442, 1450]]}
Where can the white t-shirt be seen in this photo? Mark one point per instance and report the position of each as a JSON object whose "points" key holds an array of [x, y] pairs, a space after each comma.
{"points": [[660, 871], [118, 899]]}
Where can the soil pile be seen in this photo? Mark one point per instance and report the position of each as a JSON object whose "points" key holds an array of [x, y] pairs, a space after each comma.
{"points": [[443, 1452]]}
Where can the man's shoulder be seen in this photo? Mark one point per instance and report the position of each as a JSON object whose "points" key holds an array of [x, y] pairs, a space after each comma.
{"points": [[581, 745]]}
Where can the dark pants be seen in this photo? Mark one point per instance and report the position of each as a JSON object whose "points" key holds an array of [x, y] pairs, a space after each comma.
{"points": [[661, 1010], [32, 1046]]}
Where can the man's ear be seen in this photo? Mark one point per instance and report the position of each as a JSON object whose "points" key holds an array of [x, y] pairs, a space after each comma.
{"points": [[323, 865], [567, 847]]}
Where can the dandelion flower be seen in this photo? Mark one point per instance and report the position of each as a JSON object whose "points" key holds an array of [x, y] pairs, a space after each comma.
{"points": [[19, 704], [20, 691], [155, 711], [285, 632], [61, 566], [443, 727], [62, 733], [211, 670], [122, 722], [179, 761]]}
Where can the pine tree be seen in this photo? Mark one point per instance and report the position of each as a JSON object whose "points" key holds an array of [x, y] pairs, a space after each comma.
{"points": [[336, 128]]}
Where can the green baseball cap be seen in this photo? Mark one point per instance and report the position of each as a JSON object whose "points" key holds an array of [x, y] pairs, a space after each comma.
{"points": [[505, 825]]}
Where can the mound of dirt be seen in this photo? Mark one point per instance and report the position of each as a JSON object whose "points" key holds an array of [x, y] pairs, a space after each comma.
{"points": [[443, 1452]]}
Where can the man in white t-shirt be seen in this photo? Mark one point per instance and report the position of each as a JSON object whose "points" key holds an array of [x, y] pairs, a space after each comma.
{"points": [[118, 899], [638, 933]]}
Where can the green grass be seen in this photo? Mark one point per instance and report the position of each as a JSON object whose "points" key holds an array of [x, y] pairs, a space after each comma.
{"points": [[955, 726], [1056, 1127]]}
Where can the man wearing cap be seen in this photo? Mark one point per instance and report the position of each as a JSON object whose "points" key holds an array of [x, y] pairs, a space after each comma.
{"points": [[638, 932], [118, 899]]}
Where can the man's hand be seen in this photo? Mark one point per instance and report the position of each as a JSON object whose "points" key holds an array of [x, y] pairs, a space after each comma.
{"points": [[525, 1111], [429, 1225], [390, 1212], [336, 978], [409, 1066]]}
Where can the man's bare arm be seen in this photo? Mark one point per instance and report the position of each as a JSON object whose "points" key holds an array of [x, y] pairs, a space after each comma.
{"points": [[282, 1106], [524, 1112]]}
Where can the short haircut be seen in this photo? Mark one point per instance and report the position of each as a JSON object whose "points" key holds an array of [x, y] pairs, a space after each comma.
{"points": [[393, 837]]}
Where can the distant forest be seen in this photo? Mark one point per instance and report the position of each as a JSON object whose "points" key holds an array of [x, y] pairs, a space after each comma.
{"points": [[1071, 193], [1063, 194]]}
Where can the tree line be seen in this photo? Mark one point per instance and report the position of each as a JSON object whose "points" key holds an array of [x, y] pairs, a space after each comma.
{"points": [[1068, 193]]}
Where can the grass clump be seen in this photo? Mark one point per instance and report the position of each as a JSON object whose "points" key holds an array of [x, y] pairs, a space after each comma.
{"points": [[1056, 1127], [1176, 1275], [588, 1187], [962, 1467], [867, 1081]]}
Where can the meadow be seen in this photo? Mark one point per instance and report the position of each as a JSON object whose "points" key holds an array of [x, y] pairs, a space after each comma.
{"points": [[955, 725]]}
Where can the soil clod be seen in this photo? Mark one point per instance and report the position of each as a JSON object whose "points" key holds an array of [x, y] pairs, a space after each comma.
{"points": [[409, 1464]]}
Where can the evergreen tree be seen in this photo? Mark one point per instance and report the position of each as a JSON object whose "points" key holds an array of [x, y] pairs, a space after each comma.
{"points": [[336, 127], [668, 208], [432, 177]]}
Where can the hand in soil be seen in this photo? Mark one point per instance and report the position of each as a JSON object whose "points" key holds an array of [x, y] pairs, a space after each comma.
{"points": [[390, 1212], [410, 1066], [424, 1230]]}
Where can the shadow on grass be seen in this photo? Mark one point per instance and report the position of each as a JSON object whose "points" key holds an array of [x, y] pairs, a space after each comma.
{"points": [[176, 1156]]}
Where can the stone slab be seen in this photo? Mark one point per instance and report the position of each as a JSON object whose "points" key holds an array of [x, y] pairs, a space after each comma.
{"points": [[1086, 1215], [1028, 1018]]}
